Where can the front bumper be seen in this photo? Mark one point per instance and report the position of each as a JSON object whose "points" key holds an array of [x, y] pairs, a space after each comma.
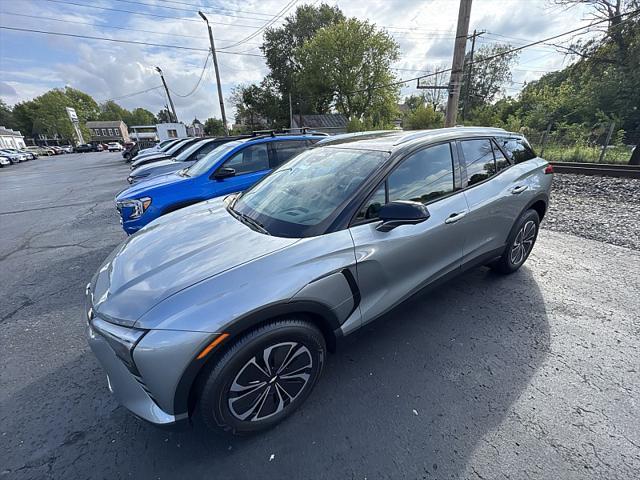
{"points": [[129, 390]]}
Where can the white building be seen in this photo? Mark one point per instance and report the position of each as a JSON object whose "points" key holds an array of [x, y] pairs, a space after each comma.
{"points": [[10, 138], [167, 131], [157, 133]]}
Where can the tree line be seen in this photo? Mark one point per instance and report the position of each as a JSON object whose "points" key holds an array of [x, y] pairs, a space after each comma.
{"points": [[47, 115]]}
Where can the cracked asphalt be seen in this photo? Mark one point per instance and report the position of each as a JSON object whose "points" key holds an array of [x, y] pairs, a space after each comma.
{"points": [[535, 375]]}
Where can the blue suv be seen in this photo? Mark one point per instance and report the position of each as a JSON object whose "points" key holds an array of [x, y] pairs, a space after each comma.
{"points": [[232, 167]]}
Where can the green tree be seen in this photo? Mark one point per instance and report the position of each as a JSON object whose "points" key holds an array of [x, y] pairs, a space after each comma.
{"points": [[47, 113], [214, 126], [141, 116], [421, 117], [164, 116], [280, 48], [491, 71], [110, 110], [352, 60], [6, 115]]}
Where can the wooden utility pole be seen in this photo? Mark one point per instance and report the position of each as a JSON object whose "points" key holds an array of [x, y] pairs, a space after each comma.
{"points": [[457, 65], [469, 73], [166, 89], [217, 72]]}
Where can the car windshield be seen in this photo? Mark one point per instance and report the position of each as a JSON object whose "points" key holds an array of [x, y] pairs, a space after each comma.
{"points": [[204, 164], [185, 153], [175, 147], [306, 191]]}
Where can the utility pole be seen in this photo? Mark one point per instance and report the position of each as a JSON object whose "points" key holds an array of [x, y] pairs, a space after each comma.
{"points": [[458, 62], [166, 89], [215, 67], [470, 73]]}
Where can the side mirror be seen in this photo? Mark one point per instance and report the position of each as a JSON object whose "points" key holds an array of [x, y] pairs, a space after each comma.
{"points": [[401, 212], [224, 172]]}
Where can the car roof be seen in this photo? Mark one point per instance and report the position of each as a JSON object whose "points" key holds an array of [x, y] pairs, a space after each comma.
{"points": [[276, 138], [393, 140]]}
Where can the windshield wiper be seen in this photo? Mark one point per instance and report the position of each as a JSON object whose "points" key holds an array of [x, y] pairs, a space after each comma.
{"points": [[247, 220], [183, 172]]}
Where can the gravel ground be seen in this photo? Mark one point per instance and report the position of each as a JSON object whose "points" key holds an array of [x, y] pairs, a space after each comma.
{"points": [[598, 208]]}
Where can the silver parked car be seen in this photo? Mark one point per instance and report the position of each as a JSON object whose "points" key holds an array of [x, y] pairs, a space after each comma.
{"points": [[228, 307]]}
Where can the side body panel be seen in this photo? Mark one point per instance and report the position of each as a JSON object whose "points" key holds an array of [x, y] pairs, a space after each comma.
{"points": [[495, 204], [393, 265]]}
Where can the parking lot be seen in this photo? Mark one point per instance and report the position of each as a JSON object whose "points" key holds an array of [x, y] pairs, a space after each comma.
{"points": [[535, 375]]}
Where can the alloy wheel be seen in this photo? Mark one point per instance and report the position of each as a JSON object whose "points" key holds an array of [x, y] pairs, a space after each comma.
{"points": [[523, 243], [270, 381]]}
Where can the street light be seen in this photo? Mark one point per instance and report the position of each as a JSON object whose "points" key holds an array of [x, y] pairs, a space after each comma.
{"points": [[215, 67], [166, 89]]}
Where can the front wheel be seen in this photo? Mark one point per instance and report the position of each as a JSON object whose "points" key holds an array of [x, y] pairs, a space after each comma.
{"points": [[520, 243], [264, 377]]}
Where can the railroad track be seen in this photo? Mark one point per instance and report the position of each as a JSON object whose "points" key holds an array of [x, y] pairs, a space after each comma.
{"points": [[624, 171]]}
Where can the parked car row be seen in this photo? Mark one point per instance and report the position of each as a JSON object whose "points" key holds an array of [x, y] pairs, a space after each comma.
{"points": [[9, 156], [228, 306]]}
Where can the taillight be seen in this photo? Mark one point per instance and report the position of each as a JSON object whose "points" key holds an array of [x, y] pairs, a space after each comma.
{"points": [[548, 169]]}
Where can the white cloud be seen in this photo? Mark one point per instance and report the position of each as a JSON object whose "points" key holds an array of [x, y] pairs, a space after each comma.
{"points": [[425, 32]]}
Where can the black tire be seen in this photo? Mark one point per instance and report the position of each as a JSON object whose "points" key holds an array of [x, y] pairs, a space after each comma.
{"points": [[292, 344], [516, 252]]}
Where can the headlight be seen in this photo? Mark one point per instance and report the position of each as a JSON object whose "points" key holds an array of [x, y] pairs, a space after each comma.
{"points": [[121, 339], [137, 206]]}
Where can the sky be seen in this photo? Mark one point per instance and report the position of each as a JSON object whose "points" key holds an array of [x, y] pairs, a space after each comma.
{"points": [[32, 63]]}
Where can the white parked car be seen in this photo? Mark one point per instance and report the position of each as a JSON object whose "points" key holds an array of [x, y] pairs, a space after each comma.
{"points": [[114, 147]]}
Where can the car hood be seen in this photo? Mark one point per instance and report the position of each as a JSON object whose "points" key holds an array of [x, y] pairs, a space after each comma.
{"points": [[146, 169], [173, 253], [143, 187], [149, 158]]}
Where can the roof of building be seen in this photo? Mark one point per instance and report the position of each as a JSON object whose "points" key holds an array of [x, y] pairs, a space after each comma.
{"points": [[9, 132], [104, 124], [328, 120], [391, 140]]}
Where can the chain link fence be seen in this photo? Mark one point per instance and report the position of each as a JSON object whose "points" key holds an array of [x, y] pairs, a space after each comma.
{"points": [[602, 143]]}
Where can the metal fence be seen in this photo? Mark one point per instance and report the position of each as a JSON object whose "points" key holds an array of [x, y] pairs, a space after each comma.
{"points": [[599, 144]]}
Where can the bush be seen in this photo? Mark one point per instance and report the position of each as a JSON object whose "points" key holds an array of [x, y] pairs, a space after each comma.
{"points": [[423, 117]]}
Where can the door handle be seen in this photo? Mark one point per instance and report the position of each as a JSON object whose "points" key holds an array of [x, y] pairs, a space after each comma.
{"points": [[519, 189], [454, 217]]}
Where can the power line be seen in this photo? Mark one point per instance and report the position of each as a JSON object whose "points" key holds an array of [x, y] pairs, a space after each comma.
{"points": [[275, 18], [507, 52], [152, 5], [190, 4], [193, 90], [131, 94], [133, 42], [147, 14], [97, 25]]}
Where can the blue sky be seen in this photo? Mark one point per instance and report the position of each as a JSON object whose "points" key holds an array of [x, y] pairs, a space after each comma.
{"points": [[30, 63]]}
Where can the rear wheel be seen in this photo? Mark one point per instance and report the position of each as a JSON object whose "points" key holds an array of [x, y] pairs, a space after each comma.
{"points": [[520, 243], [264, 377]]}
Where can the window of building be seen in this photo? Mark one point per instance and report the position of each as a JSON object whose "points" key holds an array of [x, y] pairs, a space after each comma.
{"points": [[172, 133]]}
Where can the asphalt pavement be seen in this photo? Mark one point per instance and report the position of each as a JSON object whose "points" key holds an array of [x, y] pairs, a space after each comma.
{"points": [[535, 375]]}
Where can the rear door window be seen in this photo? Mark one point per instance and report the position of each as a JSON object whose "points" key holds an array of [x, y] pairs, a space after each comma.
{"points": [[251, 159], [501, 161], [286, 150], [479, 160]]}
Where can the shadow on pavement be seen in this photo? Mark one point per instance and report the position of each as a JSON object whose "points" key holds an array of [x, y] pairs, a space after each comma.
{"points": [[410, 396]]}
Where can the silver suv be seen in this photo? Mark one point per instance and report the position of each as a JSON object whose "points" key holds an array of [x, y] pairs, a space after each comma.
{"points": [[227, 308]]}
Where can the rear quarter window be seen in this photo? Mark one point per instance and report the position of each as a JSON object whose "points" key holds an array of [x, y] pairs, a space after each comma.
{"points": [[517, 149]]}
